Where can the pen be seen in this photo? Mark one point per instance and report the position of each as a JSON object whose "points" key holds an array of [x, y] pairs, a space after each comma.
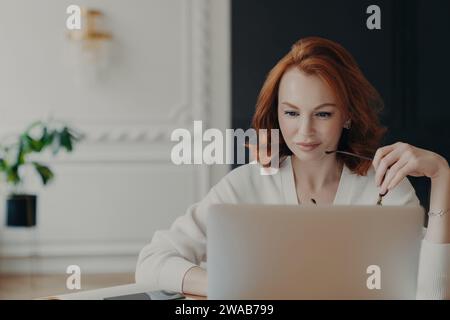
{"points": [[380, 196]]}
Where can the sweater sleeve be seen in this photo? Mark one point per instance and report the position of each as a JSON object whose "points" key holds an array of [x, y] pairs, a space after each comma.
{"points": [[163, 262], [433, 281], [434, 271]]}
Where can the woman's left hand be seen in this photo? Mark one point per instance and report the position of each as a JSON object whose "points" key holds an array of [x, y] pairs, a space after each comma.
{"points": [[402, 160]]}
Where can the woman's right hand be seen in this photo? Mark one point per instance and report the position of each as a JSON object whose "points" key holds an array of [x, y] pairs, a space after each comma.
{"points": [[195, 282]]}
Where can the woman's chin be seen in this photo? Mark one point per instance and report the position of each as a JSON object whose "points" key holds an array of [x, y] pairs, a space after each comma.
{"points": [[307, 156]]}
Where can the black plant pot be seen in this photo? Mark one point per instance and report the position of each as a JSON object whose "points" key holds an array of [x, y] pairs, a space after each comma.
{"points": [[21, 210]]}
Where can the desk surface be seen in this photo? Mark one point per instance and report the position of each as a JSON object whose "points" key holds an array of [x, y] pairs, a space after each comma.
{"points": [[100, 294], [193, 297]]}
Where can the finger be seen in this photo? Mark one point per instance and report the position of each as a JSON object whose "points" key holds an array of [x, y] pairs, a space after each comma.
{"points": [[384, 165], [391, 173], [380, 153], [401, 174]]}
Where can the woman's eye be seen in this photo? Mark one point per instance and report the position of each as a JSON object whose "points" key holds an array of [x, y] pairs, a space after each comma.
{"points": [[291, 113], [324, 114]]}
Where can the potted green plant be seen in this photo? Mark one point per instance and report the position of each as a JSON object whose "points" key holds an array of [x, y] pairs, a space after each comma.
{"points": [[38, 137]]}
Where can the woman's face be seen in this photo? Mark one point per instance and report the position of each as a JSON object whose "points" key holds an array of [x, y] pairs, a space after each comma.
{"points": [[308, 114]]}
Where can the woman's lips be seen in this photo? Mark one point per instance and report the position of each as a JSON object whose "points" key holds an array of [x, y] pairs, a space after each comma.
{"points": [[307, 146]]}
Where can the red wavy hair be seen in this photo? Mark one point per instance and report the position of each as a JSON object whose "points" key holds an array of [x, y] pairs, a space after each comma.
{"points": [[355, 96]]}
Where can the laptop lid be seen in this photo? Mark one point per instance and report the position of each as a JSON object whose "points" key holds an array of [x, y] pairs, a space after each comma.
{"points": [[313, 252]]}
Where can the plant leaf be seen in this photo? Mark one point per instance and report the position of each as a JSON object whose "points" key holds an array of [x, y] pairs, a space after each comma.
{"points": [[12, 174], [66, 139], [36, 145], [44, 171], [29, 144], [47, 137], [21, 151]]}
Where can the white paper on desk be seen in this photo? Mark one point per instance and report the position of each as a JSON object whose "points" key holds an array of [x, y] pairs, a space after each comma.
{"points": [[100, 294]]}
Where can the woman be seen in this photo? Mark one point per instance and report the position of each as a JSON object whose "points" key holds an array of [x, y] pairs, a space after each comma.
{"points": [[319, 99]]}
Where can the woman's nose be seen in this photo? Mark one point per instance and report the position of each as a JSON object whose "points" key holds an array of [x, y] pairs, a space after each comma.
{"points": [[306, 126]]}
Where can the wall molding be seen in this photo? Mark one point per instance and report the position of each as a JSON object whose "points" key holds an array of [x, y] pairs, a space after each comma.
{"points": [[71, 248], [58, 265], [92, 256]]}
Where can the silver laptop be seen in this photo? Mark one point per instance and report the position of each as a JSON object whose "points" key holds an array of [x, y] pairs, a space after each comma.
{"points": [[314, 252]]}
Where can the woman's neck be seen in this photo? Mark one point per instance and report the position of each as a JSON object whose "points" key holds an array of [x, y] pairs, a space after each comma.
{"points": [[318, 174]]}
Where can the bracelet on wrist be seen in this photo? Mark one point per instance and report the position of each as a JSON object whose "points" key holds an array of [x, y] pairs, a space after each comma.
{"points": [[439, 213]]}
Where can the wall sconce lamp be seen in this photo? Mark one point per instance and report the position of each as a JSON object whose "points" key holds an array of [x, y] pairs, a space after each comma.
{"points": [[90, 46], [88, 30]]}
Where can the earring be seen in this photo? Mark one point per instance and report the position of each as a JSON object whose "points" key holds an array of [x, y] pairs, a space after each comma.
{"points": [[347, 124]]}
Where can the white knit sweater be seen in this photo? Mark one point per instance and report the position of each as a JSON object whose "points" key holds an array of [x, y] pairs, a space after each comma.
{"points": [[163, 263]]}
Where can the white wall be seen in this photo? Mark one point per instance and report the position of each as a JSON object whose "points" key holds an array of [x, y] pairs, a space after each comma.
{"points": [[170, 65]]}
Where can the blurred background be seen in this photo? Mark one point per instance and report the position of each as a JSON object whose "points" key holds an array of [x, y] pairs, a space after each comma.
{"points": [[144, 68], [147, 68]]}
